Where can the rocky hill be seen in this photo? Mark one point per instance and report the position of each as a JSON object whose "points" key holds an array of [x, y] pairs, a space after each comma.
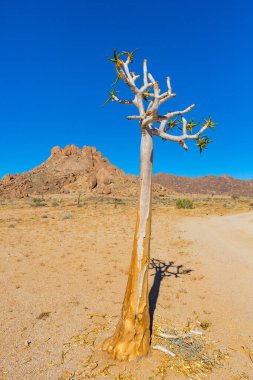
{"points": [[85, 170], [72, 170], [65, 170], [206, 185]]}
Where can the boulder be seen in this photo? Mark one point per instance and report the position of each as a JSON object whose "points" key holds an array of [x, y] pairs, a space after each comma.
{"points": [[7, 179], [104, 176], [56, 150], [92, 181]]}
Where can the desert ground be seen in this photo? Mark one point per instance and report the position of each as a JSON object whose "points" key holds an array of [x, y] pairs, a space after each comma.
{"points": [[63, 272]]}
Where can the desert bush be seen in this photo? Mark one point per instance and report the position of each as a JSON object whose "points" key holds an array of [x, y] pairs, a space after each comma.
{"points": [[11, 226], [38, 202], [235, 197], [205, 325], [184, 203], [68, 215], [55, 204]]}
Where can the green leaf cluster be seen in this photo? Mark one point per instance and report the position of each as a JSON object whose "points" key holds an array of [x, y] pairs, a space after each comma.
{"points": [[116, 58], [112, 93], [172, 123], [202, 143], [146, 96], [190, 125], [209, 122]]}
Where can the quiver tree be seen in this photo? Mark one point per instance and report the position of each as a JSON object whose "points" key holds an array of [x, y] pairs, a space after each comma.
{"points": [[132, 336]]}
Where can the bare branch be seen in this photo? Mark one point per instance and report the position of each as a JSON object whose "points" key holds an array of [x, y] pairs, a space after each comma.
{"points": [[167, 93], [147, 120], [129, 83], [151, 78], [184, 125], [154, 84], [163, 125], [129, 76], [164, 118], [183, 144], [155, 104], [114, 97], [169, 86], [169, 115], [184, 136], [196, 332], [135, 117], [180, 139], [165, 98], [173, 336], [135, 77], [149, 94], [165, 350], [145, 73]]}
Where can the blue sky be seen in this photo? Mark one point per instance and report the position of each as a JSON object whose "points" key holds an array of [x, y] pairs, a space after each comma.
{"points": [[54, 78]]}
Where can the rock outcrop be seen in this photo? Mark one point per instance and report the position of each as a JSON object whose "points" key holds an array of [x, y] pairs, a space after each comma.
{"points": [[67, 169]]}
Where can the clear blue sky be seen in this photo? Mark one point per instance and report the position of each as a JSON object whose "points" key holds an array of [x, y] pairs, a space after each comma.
{"points": [[54, 76]]}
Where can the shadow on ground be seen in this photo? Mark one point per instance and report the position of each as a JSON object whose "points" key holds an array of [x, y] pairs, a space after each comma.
{"points": [[161, 270]]}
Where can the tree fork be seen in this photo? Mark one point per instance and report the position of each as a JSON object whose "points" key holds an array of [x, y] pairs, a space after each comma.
{"points": [[132, 336]]}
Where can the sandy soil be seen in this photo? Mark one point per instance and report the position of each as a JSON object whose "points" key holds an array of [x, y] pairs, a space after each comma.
{"points": [[224, 246], [63, 273]]}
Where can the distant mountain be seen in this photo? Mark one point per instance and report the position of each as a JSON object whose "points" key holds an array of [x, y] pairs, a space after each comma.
{"points": [[85, 170], [209, 184]]}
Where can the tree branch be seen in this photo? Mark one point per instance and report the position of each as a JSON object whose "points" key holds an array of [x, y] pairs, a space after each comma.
{"points": [[135, 77], [125, 78], [180, 139], [169, 92], [154, 108], [169, 115], [169, 86], [165, 98], [145, 73], [135, 117], [164, 349], [114, 97], [129, 77], [184, 126], [149, 113]]}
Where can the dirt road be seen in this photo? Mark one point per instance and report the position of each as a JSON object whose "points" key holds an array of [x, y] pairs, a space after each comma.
{"points": [[224, 246]]}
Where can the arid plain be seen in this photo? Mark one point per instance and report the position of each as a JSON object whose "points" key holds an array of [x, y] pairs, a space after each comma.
{"points": [[64, 266]]}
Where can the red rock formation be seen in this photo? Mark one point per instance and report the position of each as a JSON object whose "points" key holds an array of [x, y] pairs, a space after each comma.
{"points": [[67, 169]]}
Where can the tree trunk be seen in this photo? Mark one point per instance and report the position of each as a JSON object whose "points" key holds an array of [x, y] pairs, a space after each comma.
{"points": [[132, 336]]}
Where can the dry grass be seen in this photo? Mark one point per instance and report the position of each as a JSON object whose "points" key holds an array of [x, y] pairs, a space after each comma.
{"points": [[196, 356], [204, 204]]}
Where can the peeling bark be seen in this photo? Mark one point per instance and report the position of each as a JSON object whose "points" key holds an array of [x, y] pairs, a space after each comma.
{"points": [[132, 336]]}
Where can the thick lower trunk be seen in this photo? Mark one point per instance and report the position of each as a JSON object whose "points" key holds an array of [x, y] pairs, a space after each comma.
{"points": [[132, 335]]}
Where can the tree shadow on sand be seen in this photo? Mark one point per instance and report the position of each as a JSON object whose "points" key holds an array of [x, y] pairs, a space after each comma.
{"points": [[161, 270]]}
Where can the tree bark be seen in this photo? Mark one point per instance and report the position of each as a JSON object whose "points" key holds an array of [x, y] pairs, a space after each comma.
{"points": [[132, 336]]}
